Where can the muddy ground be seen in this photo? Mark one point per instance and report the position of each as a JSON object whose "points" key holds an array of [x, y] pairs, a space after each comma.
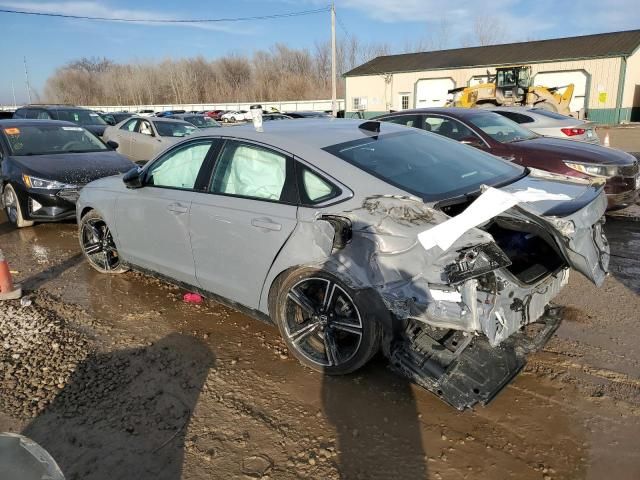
{"points": [[120, 379]]}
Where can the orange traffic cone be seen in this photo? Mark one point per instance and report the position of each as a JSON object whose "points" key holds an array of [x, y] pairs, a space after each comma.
{"points": [[8, 291], [606, 140]]}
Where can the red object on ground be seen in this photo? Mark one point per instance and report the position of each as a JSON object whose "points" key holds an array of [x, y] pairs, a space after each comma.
{"points": [[7, 290], [192, 298]]}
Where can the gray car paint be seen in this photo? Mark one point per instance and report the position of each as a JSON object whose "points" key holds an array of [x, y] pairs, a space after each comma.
{"points": [[384, 253], [551, 127]]}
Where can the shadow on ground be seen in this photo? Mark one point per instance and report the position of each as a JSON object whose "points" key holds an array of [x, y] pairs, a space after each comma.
{"points": [[378, 433], [624, 238], [124, 414]]}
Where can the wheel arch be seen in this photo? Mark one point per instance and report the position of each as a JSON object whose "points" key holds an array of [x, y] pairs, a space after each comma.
{"points": [[366, 296]]}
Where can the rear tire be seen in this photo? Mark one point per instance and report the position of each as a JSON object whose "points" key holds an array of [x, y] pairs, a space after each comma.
{"points": [[98, 246], [323, 324], [13, 208]]}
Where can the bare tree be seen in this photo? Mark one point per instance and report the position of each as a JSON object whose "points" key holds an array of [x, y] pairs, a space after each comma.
{"points": [[279, 73], [486, 30], [437, 37]]}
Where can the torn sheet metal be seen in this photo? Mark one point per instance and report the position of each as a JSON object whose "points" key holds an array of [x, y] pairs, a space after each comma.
{"points": [[487, 206]]}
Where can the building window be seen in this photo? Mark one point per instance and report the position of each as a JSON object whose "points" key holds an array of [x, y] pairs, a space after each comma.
{"points": [[359, 103], [404, 101]]}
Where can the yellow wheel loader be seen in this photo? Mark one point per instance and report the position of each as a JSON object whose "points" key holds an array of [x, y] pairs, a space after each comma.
{"points": [[512, 86]]}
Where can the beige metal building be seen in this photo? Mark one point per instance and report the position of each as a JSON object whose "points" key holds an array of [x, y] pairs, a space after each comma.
{"points": [[605, 69]]}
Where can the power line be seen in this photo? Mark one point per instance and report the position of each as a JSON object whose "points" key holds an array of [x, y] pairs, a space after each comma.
{"points": [[156, 20]]}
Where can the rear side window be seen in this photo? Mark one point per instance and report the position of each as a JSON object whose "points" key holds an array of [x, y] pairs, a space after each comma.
{"points": [[448, 127], [313, 188], [408, 120], [516, 117], [32, 113], [247, 170]]}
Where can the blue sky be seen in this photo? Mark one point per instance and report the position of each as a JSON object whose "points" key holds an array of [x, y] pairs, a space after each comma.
{"points": [[50, 42]]}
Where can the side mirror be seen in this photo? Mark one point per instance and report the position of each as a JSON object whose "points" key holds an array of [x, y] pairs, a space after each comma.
{"points": [[133, 178], [473, 142], [113, 144]]}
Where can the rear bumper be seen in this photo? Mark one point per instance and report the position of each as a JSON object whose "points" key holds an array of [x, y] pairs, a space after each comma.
{"points": [[477, 373]]}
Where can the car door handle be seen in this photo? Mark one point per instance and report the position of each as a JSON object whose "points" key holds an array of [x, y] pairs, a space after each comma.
{"points": [[177, 208], [266, 223]]}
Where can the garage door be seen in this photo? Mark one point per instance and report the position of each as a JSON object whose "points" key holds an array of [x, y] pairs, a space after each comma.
{"points": [[433, 92], [558, 79]]}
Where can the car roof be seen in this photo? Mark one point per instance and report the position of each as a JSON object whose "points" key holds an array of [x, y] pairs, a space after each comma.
{"points": [[22, 122], [316, 133], [455, 111]]}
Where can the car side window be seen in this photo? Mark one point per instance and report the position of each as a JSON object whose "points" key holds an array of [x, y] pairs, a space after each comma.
{"points": [[408, 120], [248, 170], [144, 127], [31, 113], [314, 189], [179, 168], [516, 117], [130, 125], [448, 127]]}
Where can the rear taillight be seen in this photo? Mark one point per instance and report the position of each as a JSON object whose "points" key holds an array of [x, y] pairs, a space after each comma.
{"points": [[570, 132]]}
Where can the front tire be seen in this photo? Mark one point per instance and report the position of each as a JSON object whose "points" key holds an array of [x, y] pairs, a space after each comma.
{"points": [[323, 324], [13, 208], [97, 244]]}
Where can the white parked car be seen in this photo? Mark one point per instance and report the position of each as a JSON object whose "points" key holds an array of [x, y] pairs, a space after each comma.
{"points": [[236, 116], [551, 124], [145, 113]]}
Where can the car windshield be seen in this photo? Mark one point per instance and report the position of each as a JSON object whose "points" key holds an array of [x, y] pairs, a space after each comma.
{"points": [[171, 129], [426, 165], [81, 117], [500, 128], [202, 121], [50, 139]]}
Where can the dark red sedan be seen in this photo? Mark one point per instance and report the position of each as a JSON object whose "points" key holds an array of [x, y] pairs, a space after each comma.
{"points": [[502, 137]]}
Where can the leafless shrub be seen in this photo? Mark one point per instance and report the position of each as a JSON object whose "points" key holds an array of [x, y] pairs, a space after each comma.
{"points": [[279, 73]]}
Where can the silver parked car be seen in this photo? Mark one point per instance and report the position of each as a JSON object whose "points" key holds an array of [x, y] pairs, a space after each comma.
{"points": [[199, 120], [141, 138], [551, 124], [355, 236]]}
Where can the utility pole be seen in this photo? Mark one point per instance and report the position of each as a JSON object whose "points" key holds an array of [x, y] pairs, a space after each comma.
{"points": [[334, 105], [13, 90], [26, 76]]}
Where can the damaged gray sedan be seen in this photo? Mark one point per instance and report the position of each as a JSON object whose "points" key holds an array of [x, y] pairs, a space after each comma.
{"points": [[354, 237]]}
